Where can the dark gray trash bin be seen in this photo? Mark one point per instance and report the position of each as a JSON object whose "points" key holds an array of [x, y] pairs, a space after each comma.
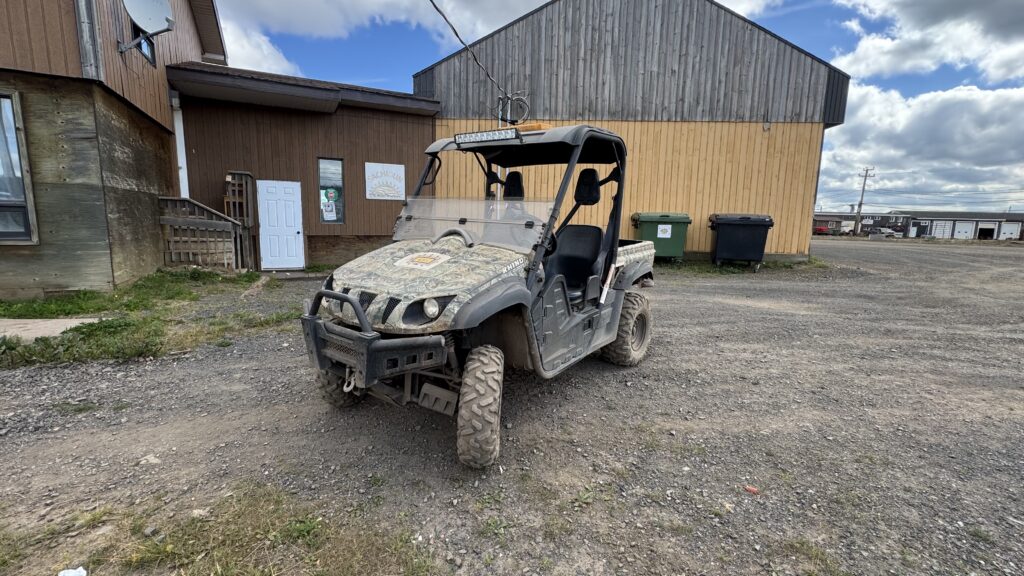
{"points": [[739, 238]]}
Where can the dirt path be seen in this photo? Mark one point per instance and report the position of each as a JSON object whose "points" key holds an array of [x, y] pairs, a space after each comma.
{"points": [[877, 408]]}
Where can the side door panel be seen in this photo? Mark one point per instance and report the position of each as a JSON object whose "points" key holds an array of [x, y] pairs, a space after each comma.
{"points": [[563, 335]]}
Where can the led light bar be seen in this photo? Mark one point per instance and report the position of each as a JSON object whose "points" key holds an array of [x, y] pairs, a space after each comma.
{"points": [[487, 136]]}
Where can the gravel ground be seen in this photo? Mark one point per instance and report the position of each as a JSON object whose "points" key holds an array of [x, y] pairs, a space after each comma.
{"points": [[862, 419]]}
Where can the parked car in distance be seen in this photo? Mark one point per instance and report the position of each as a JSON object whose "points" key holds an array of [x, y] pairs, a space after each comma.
{"points": [[889, 232], [822, 230]]}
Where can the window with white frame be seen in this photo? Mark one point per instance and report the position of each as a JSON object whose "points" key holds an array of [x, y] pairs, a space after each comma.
{"points": [[17, 215]]}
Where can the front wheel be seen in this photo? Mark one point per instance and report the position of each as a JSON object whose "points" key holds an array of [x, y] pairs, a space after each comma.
{"points": [[634, 333], [479, 419], [332, 388]]}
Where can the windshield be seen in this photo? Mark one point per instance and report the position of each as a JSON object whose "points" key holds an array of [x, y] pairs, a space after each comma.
{"points": [[486, 204]]}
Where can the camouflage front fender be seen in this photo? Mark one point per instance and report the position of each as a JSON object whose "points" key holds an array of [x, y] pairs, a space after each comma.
{"points": [[505, 294]]}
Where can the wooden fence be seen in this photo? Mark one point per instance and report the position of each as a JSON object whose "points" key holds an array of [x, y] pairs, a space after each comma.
{"points": [[197, 235]]}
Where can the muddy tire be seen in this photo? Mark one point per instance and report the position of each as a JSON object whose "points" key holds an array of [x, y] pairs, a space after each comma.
{"points": [[479, 418], [634, 334], [332, 392]]}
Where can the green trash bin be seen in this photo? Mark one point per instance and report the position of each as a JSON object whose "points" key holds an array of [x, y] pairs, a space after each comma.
{"points": [[666, 229]]}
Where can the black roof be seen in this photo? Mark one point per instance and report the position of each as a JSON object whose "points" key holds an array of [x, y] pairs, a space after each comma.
{"points": [[249, 86], [551, 146]]}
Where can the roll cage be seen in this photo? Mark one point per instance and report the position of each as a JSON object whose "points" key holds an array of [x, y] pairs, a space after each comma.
{"points": [[569, 145]]}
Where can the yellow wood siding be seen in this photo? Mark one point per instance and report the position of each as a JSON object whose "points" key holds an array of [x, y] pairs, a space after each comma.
{"points": [[699, 168]]}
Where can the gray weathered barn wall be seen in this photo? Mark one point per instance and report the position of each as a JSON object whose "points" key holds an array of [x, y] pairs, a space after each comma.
{"points": [[97, 168], [684, 60]]}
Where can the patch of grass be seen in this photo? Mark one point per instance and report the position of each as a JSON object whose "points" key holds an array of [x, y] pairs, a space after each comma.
{"points": [[273, 283], [816, 559], [321, 268], [260, 530], [676, 528], [981, 535], [495, 527], [117, 338], [92, 519], [702, 267], [219, 330], [554, 527], [144, 294], [375, 481], [75, 407], [12, 549], [492, 499], [583, 498]]}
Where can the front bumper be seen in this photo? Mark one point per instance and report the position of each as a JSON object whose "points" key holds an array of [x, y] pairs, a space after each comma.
{"points": [[366, 352]]}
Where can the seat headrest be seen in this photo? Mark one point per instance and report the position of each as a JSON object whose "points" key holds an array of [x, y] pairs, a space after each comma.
{"points": [[588, 188], [514, 186]]}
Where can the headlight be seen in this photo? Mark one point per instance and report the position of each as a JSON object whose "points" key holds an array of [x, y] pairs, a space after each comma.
{"points": [[431, 308]]}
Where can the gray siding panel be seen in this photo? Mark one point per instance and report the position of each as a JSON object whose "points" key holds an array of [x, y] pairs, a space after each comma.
{"points": [[666, 60]]}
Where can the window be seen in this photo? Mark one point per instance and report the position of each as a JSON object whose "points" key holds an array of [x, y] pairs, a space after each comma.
{"points": [[332, 191], [17, 216], [146, 47]]}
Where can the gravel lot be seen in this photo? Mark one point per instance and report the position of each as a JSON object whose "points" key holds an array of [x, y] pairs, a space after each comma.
{"points": [[867, 418]]}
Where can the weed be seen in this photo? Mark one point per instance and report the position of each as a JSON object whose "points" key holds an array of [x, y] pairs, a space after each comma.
{"points": [[554, 527], [375, 481], [273, 283], [307, 530], [120, 406], [676, 528], [818, 560], [490, 500], [75, 407], [11, 549], [117, 338], [321, 268], [92, 519], [144, 294], [495, 527], [583, 498], [981, 535], [223, 343]]}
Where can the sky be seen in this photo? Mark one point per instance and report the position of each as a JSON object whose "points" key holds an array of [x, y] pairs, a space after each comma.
{"points": [[936, 102]]}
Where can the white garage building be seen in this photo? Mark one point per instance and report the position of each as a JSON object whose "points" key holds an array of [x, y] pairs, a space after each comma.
{"points": [[966, 225]]}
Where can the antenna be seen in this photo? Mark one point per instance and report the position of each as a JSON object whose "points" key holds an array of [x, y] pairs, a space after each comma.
{"points": [[153, 17]]}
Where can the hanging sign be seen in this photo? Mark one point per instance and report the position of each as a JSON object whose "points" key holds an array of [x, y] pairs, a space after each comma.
{"points": [[385, 181]]}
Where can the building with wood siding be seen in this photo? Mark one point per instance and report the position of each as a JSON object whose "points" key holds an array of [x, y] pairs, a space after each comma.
{"points": [[719, 114], [92, 145]]}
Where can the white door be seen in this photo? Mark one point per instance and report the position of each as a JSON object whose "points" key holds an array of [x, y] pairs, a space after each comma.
{"points": [[964, 231], [281, 243], [942, 229], [1009, 231]]}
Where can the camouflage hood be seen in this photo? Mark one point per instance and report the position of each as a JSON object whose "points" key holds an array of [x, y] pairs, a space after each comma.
{"points": [[392, 282]]}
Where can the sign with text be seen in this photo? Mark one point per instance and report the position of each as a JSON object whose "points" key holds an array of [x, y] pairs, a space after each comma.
{"points": [[385, 181]]}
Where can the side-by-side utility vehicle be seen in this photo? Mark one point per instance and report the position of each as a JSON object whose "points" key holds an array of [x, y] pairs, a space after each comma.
{"points": [[487, 274]]}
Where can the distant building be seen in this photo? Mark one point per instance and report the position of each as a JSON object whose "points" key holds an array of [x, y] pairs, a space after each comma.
{"points": [[843, 222], [966, 225]]}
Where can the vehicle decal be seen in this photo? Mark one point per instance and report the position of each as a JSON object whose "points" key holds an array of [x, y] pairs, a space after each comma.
{"points": [[422, 260]]}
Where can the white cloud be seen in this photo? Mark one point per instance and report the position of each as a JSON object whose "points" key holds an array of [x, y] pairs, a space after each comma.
{"points": [[750, 7], [251, 49], [924, 36], [853, 25], [966, 139]]}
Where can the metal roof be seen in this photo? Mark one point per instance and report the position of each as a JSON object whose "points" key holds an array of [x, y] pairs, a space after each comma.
{"points": [[251, 87]]}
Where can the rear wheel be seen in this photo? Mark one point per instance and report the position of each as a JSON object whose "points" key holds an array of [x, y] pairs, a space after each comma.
{"points": [[634, 334], [479, 419], [332, 389]]}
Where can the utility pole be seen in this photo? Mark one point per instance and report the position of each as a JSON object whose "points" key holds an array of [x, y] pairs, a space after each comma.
{"points": [[868, 173]]}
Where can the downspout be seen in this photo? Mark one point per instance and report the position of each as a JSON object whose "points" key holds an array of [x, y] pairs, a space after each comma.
{"points": [[179, 144]]}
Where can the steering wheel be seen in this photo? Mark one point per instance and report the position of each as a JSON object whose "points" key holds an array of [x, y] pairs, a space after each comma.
{"points": [[466, 237]]}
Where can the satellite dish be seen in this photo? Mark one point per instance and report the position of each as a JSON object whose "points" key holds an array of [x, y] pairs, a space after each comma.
{"points": [[153, 16]]}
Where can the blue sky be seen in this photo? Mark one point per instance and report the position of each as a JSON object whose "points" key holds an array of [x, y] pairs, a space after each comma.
{"points": [[936, 102]]}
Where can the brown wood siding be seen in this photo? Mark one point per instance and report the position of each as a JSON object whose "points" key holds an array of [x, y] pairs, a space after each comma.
{"points": [[130, 74], [279, 144], [40, 36], [699, 168]]}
